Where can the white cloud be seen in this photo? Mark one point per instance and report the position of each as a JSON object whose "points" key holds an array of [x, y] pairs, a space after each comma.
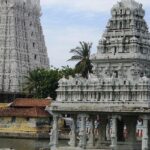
{"points": [[86, 5]]}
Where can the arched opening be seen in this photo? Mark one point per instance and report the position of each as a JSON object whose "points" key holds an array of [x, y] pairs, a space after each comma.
{"points": [[116, 74], [120, 11], [33, 45], [120, 25], [142, 74], [115, 50], [32, 33], [124, 82], [125, 23]]}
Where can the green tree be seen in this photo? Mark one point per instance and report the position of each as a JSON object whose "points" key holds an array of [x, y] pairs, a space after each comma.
{"points": [[66, 71], [82, 55], [42, 83]]}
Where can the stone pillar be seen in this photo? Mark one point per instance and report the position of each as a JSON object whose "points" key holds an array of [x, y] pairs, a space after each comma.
{"points": [[145, 134], [54, 133], [82, 132], [114, 133], [73, 132], [91, 139]]}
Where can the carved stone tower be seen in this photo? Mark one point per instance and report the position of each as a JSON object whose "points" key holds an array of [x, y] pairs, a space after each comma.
{"points": [[125, 45], [22, 45]]}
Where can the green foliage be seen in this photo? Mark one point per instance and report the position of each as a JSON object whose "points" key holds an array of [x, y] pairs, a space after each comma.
{"points": [[42, 83], [82, 55], [66, 71]]}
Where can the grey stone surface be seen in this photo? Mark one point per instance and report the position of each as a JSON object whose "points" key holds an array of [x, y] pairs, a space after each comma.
{"points": [[22, 45]]}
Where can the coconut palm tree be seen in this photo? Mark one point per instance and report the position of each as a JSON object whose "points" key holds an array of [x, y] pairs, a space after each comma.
{"points": [[82, 55]]}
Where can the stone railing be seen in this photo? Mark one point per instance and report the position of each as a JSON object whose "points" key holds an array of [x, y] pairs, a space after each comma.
{"points": [[106, 93]]}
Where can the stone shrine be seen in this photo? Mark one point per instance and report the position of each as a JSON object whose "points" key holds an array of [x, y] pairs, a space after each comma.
{"points": [[22, 45], [118, 91]]}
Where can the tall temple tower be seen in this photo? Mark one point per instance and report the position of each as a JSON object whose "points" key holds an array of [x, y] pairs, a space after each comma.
{"points": [[22, 45]]}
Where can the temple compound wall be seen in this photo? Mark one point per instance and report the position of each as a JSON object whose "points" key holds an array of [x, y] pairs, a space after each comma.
{"points": [[117, 94]]}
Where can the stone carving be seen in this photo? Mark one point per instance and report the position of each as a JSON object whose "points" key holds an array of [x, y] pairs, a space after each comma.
{"points": [[82, 132], [73, 133], [91, 138], [54, 133], [51, 138]]}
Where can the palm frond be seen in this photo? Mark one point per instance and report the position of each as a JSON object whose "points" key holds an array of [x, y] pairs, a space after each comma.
{"points": [[77, 51], [82, 55], [75, 58]]}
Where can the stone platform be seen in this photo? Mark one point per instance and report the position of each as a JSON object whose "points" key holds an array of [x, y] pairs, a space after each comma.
{"points": [[120, 146]]}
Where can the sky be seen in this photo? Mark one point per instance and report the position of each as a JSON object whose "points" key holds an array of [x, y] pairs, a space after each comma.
{"points": [[66, 22]]}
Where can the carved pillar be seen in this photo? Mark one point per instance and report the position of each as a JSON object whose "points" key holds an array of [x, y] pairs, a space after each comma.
{"points": [[73, 133], [54, 133], [91, 139], [82, 132], [145, 134], [114, 133]]}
